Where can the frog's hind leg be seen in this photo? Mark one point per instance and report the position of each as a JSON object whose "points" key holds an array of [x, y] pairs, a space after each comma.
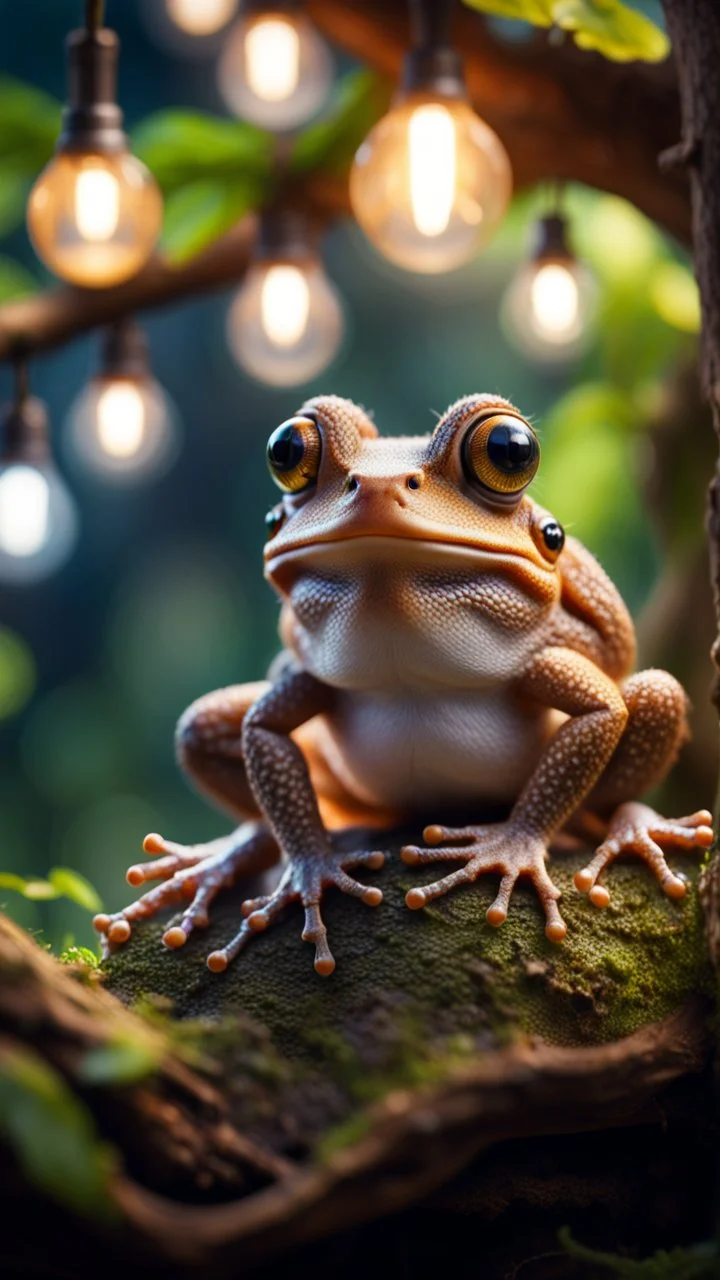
{"points": [[655, 732]]}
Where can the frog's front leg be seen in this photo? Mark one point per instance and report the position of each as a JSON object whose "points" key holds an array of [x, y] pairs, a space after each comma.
{"points": [[280, 781], [570, 766]]}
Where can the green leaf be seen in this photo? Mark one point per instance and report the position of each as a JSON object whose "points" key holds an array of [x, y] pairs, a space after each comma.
{"points": [[199, 213], [70, 884], [122, 1062], [15, 281], [13, 197], [613, 29], [35, 890], [53, 1134], [182, 147], [29, 126], [606, 26], [330, 144]]}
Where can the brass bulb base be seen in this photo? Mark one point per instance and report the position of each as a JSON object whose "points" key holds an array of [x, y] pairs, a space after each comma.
{"points": [[124, 352], [435, 71], [24, 435], [92, 120], [551, 241]]}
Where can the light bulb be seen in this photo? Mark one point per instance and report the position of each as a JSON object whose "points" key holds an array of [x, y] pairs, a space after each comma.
{"points": [[200, 17], [549, 306], [38, 523], [285, 323], [430, 183], [275, 70], [94, 219], [95, 212], [123, 426]]}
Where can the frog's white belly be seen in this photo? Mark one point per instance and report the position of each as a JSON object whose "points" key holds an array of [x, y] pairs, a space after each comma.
{"points": [[410, 751]]}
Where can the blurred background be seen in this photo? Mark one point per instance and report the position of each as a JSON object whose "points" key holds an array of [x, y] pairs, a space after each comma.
{"points": [[163, 597]]}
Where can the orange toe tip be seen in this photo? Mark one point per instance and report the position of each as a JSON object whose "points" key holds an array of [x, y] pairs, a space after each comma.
{"points": [[583, 881], [258, 921], [153, 843], [375, 861], [175, 937], [495, 916], [599, 896], [675, 888], [433, 834], [119, 931], [705, 816], [409, 855], [373, 897], [101, 922], [556, 932], [134, 876], [325, 965], [704, 837], [414, 899], [217, 962]]}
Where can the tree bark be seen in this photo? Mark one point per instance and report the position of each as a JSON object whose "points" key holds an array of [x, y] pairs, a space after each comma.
{"points": [[694, 27]]}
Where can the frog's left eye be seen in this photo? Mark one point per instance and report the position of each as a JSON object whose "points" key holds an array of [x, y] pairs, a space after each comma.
{"points": [[501, 452], [293, 454]]}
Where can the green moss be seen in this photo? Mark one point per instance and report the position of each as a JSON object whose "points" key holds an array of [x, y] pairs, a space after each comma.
{"points": [[416, 993]]}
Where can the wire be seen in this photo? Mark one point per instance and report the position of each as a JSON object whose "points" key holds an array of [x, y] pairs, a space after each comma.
{"points": [[22, 378], [94, 10], [430, 22]]}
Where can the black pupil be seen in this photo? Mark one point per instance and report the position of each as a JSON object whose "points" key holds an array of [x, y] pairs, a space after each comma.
{"points": [[285, 448], [554, 535], [510, 448]]}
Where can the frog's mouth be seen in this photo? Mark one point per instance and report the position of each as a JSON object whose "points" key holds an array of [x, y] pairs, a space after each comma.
{"points": [[357, 551]]}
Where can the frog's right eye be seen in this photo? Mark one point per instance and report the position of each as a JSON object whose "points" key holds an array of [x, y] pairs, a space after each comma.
{"points": [[293, 454]]}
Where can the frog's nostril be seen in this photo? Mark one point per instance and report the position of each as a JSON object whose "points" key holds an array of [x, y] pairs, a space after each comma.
{"points": [[413, 482], [352, 484]]}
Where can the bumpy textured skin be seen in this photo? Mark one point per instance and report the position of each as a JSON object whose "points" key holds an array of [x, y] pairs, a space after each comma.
{"points": [[439, 658]]}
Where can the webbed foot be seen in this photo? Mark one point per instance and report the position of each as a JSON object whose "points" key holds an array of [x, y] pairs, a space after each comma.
{"points": [[303, 881], [503, 848], [638, 829], [194, 872]]}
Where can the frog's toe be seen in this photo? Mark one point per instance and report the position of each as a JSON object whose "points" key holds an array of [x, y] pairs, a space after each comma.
{"points": [[637, 829]]}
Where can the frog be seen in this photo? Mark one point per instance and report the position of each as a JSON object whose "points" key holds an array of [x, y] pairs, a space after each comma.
{"points": [[448, 653]]}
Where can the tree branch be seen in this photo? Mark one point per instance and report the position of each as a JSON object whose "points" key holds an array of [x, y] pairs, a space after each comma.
{"points": [[562, 114], [181, 1152]]}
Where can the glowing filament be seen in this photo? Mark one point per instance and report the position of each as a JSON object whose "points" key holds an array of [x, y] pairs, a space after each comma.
{"points": [[431, 141], [200, 17], [97, 204], [121, 419], [24, 511], [272, 59], [555, 302], [285, 305]]}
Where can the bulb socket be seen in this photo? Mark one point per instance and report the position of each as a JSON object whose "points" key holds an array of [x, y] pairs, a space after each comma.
{"points": [[550, 240], [92, 120], [437, 70], [124, 352], [24, 433], [286, 234]]}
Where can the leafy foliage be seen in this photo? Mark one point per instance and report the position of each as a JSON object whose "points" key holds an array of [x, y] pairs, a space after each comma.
{"points": [[52, 1134], [605, 26], [124, 1061], [330, 143], [62, 882], [699, 1262]]}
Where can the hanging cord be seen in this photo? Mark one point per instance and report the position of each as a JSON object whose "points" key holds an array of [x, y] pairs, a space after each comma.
{"points": [[430, 22], [22, 379], [94, 12]]}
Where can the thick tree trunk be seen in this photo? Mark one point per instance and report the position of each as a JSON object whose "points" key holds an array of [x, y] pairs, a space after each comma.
{"points": [[694, 27]]}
